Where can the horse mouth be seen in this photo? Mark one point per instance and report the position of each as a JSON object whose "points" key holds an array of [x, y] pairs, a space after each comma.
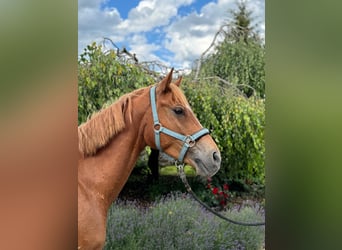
{"points": [[203, 169]]}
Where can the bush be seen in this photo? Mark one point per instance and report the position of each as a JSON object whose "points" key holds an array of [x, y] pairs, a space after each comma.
{"points": [[177, 222], [239, 63], [237, 125], [103, 78]]}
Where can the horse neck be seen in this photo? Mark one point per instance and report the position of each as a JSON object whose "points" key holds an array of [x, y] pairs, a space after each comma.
{"points": [[107, 171]]}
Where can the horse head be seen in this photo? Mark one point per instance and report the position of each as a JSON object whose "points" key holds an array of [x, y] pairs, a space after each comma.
{"points": [[173, 128]]}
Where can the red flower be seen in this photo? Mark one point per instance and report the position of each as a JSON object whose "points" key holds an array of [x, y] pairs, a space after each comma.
{"points": [[223, 202], [215, 190], [209, 186], [225, 187]]}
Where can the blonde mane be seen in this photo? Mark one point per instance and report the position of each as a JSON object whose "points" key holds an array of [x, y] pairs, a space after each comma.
{"points": [[104, 125], [97, 131]]}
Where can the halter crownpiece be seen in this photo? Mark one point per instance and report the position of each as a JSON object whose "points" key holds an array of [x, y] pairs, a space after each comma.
{"points": [[188, 140]]}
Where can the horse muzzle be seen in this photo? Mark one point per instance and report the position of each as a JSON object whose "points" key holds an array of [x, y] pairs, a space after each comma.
{"points": [[207, 162]]}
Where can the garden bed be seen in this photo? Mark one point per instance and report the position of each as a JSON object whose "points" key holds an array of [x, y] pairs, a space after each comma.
{"points": [[176, 221]]}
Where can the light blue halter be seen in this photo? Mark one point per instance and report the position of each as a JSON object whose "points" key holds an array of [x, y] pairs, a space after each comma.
{"points": [[188, 140]]}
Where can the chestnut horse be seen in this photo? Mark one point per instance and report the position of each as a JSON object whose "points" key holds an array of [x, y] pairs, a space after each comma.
{"points": [[110, 143]]}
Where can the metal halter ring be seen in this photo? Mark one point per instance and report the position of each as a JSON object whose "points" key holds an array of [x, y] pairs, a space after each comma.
{"points": [[157, 127], [179, 165], [190, 141]]}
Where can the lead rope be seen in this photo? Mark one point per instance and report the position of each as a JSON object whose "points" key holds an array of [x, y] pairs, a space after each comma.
{"points": [[180, 167]]}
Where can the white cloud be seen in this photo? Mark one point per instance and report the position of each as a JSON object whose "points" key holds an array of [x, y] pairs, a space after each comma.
{"points": [[150, 14], [181, 39], [189, 36], [145, 51], [97, 20], [94, 23]]}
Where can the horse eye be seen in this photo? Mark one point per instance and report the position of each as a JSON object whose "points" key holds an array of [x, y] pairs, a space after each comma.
{"points": [[178, 111]]}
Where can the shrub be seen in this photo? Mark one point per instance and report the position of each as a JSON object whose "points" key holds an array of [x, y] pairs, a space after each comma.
{"points": [[237, 125], [177, 222], [219, 194], [239, 63], [102, 78]]}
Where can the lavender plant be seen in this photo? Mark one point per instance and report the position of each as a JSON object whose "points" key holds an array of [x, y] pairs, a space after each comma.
{"points": [[178, 222]]}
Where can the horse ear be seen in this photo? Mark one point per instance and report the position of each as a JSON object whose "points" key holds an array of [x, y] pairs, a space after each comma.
{"points": [[165, 83], [178, 82]]}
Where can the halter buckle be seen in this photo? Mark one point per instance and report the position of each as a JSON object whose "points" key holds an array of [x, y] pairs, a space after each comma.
{"points": [[180, 166], [189, 141]]}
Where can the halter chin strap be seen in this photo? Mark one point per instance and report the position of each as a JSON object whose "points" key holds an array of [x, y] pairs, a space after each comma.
{"points": [[188, 140]]}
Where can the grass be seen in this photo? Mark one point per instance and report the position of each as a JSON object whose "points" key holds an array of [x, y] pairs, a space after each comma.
{"points": [[178, 222], [172, 170]]}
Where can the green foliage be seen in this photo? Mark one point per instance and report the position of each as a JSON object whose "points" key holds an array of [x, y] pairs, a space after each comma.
{"points": [[241, 23], [239, 63], [237, 125], [173, 171], [234, 107], [178, 222], [240, 57], [102, 78]]}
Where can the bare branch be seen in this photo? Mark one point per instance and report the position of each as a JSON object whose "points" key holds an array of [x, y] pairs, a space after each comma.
{"points": [[158, 69], [231, 85], [199, 63]]}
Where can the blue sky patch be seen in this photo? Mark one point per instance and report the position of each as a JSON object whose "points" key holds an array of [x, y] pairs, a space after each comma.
{"points": [[176, 33]]}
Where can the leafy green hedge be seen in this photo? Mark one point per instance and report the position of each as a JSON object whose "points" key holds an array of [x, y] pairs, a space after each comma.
{"points": [[237, 125], [102, 78], [239, 63]]}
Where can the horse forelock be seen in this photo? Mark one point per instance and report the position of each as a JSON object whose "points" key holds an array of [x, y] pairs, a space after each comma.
{"points": [[178, 96], [104, 125]]}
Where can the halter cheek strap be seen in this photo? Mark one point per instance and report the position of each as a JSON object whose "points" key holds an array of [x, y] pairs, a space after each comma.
{"points": [[188, 140]]}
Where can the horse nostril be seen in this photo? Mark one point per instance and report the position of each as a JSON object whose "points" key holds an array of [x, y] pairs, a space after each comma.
{"points": [[216, 156]]}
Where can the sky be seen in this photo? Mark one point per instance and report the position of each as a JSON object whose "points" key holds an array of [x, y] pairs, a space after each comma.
{"points": [[175, 32]]}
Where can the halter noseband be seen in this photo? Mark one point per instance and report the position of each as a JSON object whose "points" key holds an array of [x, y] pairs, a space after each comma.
{"points": [[188, 140]]}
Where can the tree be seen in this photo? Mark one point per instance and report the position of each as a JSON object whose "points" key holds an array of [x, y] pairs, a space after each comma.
{"points": [[231, 104], [241, 28], [240, 57]]}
